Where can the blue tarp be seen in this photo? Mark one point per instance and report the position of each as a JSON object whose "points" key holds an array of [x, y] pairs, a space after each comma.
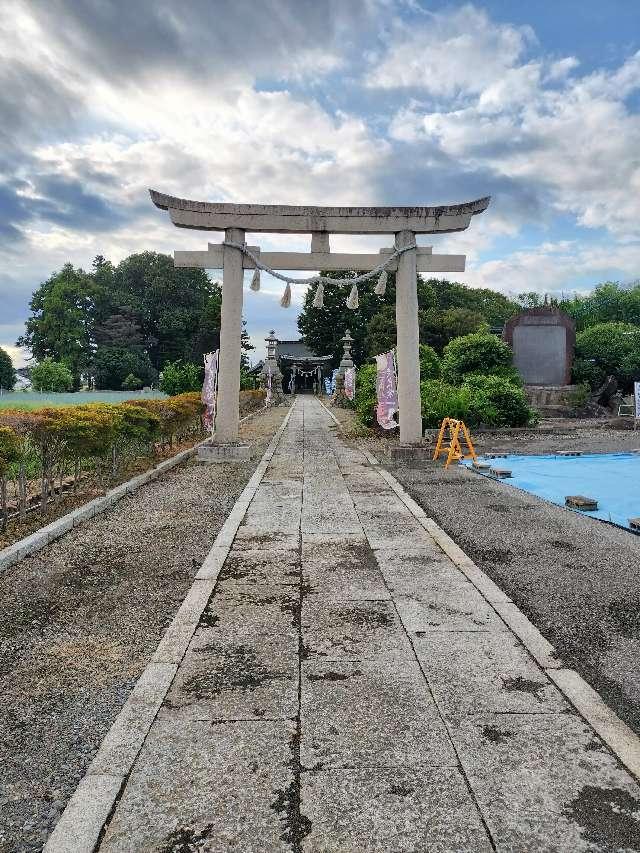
{"points": [[613, 479]]}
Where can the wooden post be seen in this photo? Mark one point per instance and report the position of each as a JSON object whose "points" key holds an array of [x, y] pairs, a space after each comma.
{"points": [[228, 413], [408, 340]]}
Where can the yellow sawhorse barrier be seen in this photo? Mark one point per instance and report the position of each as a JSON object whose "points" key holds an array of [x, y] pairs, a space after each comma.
{"points": [[456, 429]]}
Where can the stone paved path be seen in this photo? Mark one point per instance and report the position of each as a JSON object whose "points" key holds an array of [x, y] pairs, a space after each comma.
{"points": [[347, 689]]}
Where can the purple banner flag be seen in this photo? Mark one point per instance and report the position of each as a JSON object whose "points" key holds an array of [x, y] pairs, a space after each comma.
{"points": [[387, 390], [349, 382], [210, 388]]}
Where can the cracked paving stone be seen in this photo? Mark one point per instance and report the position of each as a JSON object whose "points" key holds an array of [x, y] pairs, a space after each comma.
{"points": [[394, 810], [353, 630], [546, 782], [201, 785], [479, 671], [369, 714], [339, 571]]}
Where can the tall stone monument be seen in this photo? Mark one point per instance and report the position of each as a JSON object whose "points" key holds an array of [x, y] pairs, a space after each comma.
{"points": [[543, 342]]}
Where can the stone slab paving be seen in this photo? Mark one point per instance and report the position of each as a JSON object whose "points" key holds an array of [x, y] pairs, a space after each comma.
{"points": [[348, 689]]}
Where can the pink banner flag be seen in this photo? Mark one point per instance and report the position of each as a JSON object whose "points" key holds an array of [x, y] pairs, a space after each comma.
{"points": [[350, 383], [269, 394], [210, 388], [387, 390]]}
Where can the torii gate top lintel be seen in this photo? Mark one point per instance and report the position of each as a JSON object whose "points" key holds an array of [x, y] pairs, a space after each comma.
{"points": [[287, 219]]}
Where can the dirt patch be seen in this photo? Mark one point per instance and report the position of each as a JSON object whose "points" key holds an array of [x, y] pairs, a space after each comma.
{"points": [[608, 817], [366, 617], [187, 840], [228, 668], [523, 685], [494, 734], [625, 614]]}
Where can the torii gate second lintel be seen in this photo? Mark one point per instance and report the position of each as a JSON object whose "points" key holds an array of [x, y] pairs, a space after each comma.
{"points": [[236, 219]]}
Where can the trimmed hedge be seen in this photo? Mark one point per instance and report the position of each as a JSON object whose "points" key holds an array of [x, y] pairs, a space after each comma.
{"points": [[51, 443]]}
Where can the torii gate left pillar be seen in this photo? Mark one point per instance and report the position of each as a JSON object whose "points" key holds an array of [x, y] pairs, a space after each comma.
{"points": [[237, 219], [228, 410]]}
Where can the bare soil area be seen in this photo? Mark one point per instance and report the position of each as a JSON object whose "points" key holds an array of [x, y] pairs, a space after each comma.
{"points": [[81, 619]]}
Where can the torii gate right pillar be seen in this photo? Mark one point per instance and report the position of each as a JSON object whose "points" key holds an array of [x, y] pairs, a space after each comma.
{"points": [[408, 356]]}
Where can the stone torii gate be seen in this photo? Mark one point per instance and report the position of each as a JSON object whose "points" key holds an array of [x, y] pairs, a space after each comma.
{"points": [[237, 219]]}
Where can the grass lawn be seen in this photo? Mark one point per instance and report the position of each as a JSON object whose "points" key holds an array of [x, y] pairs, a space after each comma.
{"points": [[35, 400]]}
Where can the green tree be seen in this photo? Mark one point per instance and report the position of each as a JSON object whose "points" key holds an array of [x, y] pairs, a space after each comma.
{"points": [[609, 302], [493, 307], [169, 302], [438, 328], [112, 365], [62, 321], [322, 328], [50, 375], [478, 353], [7, 372], [613, 348]]}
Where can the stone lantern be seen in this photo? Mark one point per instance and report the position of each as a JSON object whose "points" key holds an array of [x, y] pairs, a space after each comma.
{"points": [[271, 367], [346, 362]]}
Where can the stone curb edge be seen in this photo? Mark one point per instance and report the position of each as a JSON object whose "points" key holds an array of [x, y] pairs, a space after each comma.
{"points": [[38, 540], [621, 740], [86, 813]]}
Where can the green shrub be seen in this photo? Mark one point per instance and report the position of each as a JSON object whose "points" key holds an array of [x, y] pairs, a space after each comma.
{"points": [[578, 398], [132, 383], [587, 372], [365, 398], [495, 401], [180, 377], [429, 363], [441, 400], [10, 449], [51, 375], [478, 353]]}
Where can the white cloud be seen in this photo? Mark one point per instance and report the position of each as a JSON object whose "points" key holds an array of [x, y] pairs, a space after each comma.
{"points": [[555, 267], [459, 51], [575, 144]]}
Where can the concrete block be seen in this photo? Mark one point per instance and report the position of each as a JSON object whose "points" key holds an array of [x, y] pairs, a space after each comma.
{"points": [[500, 473], [581, 502], [622, 740], [540, 648], [410, 454], [174, 644], [153, 684], [34, 542], [568, 453], [79, 827], [219, 453], [196, 600], [8, 556], [213, 562]]}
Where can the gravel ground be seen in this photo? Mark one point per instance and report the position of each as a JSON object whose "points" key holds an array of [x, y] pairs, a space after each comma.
{"points": [[576, 578], [80, 621]]}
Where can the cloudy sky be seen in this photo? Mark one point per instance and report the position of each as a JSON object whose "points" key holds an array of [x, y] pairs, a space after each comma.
{"points": [[321, 102]]}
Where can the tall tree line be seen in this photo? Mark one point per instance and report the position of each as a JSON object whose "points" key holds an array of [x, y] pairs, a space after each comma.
{"points": [[125, 319]]}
